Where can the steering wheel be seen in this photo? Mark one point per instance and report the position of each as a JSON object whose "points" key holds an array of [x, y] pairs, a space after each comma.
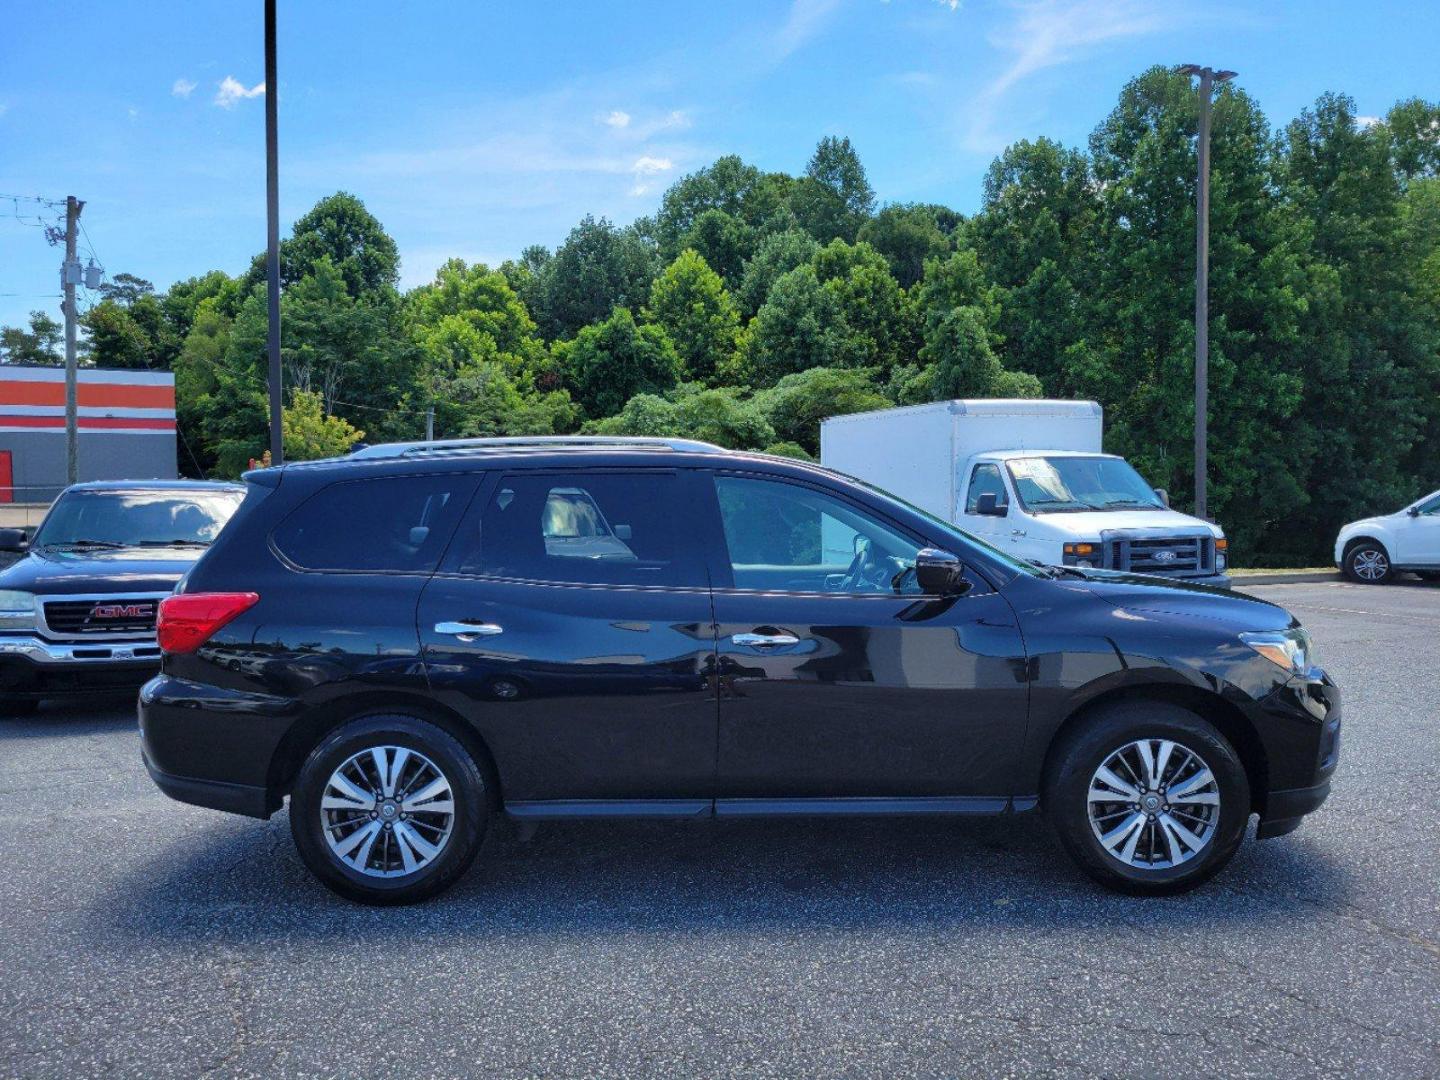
{"points": [[861, 574]]}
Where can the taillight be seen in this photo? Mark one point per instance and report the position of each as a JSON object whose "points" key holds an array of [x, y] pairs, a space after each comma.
{"points": [[188, 620]]}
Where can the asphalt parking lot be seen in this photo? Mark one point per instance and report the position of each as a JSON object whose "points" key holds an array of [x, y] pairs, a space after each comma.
{"points": [[139, 937]]}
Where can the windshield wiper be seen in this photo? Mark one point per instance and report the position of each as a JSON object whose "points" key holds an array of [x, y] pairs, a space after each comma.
{"points": [[172, 543], [83, 543], [1136, 504]]}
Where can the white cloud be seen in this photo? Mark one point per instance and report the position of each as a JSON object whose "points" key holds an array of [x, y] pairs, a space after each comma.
{"points": [[1050, 33], [806, 19], [953, 5], [617, 119], [232, 91], [646, 169], [183, 87], [1367, 121]]}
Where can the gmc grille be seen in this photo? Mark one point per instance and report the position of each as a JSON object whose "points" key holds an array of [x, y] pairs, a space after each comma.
{"points": [[1186, 555], [102, 615]]}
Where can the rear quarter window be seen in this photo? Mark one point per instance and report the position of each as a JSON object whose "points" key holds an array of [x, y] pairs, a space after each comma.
{"points": [[396, 524]]}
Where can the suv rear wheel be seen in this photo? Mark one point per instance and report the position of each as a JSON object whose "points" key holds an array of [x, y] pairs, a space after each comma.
{"points": [[1148, 798], [389, 809]]}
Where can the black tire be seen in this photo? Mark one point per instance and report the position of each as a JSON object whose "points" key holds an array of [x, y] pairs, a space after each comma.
{"points": [[1087, 746], [457, 851], [18, 708], [1367, 562]]}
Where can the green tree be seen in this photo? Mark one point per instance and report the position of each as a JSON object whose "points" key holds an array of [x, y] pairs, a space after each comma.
{"points": [[310, 433], [878, 322], [690, 302], [340, 229], [598, 268], [724, 240], [40, 345], [729, 186], [692, 411], [834, 197], [1414, 127], [909, 234], [797, 403], [609, 363], [801, 325], [777, 254]]}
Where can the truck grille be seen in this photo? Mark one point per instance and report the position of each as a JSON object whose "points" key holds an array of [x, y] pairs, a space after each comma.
{"points": [[1170, 555], [101, 615]]}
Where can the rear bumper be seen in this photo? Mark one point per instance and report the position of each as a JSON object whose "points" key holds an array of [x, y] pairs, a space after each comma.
{"points": [[213, 794]]}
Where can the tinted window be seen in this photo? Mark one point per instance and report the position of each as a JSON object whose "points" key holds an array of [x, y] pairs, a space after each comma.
{"points": [[985, 480], [394, 524], [795, 539], [583, 528], [1431, 506]]}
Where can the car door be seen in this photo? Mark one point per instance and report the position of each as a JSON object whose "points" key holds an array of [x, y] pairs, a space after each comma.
{"points": [[842, 687], [1417, 537], [571, 623]]}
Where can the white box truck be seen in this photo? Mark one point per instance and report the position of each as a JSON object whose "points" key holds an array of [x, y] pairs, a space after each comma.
{"points": [[1029, 477]]}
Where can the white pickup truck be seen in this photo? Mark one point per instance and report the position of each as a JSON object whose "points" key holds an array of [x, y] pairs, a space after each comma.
{"points": [[1029, 477]]}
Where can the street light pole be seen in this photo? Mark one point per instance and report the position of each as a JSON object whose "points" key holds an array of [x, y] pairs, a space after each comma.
{"points": [[272, 238], [1208, 78]]}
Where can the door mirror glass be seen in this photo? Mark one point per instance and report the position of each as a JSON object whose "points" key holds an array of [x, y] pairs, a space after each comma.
{"points": [[939, 573], [988, 505], [12, 540]]}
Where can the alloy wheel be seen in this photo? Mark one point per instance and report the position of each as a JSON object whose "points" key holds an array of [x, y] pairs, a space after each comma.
{"points": [[387, 811], [1370, 564], [1154, 804]]}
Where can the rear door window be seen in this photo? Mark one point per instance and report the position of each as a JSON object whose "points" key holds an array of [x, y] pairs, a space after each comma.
{"points": [[395, 524], [588, 528]]}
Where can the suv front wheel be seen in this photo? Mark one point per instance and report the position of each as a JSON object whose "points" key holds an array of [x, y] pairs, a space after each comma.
{"points": [[1148, 798], [389, 809]]}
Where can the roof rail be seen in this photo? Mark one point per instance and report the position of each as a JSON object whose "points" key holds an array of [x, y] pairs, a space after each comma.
{"points": [[521, 442]]}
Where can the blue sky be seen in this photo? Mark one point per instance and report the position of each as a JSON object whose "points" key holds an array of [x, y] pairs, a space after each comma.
{"points": [[474, 128]]}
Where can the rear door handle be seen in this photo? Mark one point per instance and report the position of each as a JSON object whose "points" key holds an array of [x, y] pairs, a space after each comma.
{"points": [[764, 641], [467, 631]]}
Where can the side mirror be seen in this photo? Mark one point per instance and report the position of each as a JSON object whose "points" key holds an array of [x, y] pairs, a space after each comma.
{"points": [[1414, 511], [988, 505], [939, 573], [1163, 495], [622, 532], [13, 540]]}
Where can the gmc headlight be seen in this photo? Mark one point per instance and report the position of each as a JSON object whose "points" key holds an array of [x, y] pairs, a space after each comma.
{"points": [[1290, 649], [17, 610]]}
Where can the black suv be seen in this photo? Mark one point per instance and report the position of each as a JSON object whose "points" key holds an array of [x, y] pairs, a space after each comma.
{"points": [[417, 638], [77, 611]]}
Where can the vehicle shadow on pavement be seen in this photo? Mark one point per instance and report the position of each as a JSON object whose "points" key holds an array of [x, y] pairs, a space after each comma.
{"points": [[235, 882], [92, 716]]}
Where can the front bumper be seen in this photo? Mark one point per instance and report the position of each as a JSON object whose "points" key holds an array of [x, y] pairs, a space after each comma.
{"points": [[32, 667], [1312, 703]]}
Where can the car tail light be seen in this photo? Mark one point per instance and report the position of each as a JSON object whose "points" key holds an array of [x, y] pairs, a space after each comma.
{"points": [[188, 620]]}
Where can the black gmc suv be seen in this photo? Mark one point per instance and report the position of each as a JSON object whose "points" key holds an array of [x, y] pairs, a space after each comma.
{"points": [[414, 639], [77, 611]]}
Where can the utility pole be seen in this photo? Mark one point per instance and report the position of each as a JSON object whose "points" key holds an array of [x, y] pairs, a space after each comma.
{"points": [[69, 278], [272, 238], [430, 424], [1208, 78]]}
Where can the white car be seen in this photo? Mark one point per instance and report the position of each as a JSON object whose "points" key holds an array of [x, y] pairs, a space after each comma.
{"points": [[1374, 549]]}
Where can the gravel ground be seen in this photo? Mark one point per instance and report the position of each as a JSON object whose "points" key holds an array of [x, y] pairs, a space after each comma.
{"points": [[139, 937]]}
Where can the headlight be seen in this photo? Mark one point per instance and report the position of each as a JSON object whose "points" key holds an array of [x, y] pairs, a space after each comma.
{"points": [[17, 610], [1290, 649], [1082, 554]]}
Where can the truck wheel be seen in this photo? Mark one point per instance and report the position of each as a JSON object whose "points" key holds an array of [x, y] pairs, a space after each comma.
{"points": [[1148, 797], [15, 708], [389, 809], [1367, 562]]}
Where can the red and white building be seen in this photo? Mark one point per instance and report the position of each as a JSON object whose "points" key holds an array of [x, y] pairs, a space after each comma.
{"points": [[126, 423]]}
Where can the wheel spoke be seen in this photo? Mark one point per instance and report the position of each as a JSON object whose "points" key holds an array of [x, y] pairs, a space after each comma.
{"points": [[1201, 779], [1121, 832], [422, 799], [1109, 776], [1200, 798], [1167, 829], [354, 798], [1147, 763], [1162, 760], [356, 838]]}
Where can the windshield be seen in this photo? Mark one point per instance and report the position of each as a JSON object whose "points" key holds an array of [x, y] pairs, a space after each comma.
{"points": [[116, 519], [1060, 484], [949, 528]]}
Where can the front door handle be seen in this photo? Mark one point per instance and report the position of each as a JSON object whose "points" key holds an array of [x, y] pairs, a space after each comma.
{"points": [[764, 641], [1017, 532], [468, 631]]}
